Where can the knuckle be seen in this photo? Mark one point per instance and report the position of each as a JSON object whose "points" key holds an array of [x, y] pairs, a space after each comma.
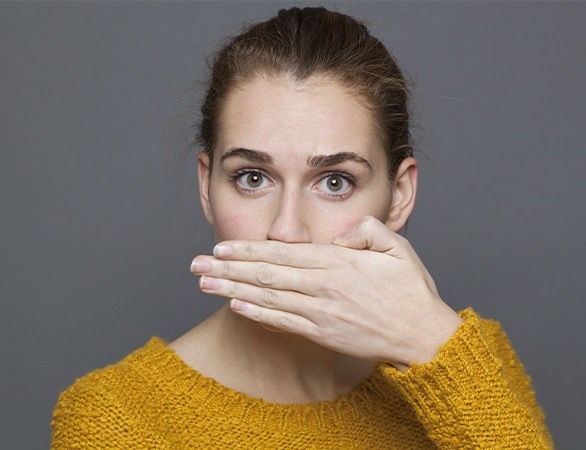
{"points": [[352, 263], [284, 322], [367, 223], [349, 261], [232, 289], [318, 334], [270, 297], [329, 287], [323, 310], [225, 265], [402, 240], [403, 245], [248, 250], [264, 274], [283, 254]]}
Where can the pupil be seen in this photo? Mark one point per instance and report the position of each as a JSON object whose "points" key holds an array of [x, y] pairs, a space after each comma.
{"points": [[254, 179], [334, 183]]}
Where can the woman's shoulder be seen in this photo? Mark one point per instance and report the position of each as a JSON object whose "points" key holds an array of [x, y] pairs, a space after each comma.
{"points": [[107, 399], [131, 372]]}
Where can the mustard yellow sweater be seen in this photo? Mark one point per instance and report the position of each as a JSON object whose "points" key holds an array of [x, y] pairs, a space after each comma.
{"points": [[474, 394]]}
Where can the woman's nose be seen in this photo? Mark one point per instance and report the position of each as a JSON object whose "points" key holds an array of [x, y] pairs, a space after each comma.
{"points": [[289, 224]]}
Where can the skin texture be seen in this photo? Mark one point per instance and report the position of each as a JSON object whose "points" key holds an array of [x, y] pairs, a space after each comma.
{"points": [[306, 219], [292, 123]]}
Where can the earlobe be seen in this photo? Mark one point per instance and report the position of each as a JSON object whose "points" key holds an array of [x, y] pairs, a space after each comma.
{"points": [[204, 174], [404, 193]]}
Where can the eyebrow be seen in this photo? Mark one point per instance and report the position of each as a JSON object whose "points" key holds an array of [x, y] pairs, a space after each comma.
{"points": [[312, 161], [251, 155], [336, 158]]}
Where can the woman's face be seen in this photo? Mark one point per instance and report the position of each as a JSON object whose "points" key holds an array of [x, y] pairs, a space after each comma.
{"points": [[294, 162]]}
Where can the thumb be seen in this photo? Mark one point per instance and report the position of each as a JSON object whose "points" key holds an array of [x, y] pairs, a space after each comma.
{"points": [[369, 233]]}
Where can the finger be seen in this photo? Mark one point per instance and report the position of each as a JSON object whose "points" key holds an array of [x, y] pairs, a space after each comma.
{"points": [[274, 252], [370, 233], [287, 301], [263, 274], [284, 321]]}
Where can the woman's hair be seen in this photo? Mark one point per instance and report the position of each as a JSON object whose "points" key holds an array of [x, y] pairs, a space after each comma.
{"points": [[302, 43]]}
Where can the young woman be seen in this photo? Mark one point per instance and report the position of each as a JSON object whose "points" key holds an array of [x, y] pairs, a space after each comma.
{"points": [[334, 335]]}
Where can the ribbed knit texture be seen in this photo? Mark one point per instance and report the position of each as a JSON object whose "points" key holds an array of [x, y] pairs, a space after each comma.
{"points": [[473, 394]]}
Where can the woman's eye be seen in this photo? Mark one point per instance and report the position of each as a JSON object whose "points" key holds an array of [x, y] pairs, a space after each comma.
{"points": [[251, 180], [335, 185]]}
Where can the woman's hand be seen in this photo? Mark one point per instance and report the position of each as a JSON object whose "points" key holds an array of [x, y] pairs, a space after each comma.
{"points": [[368, 296]]}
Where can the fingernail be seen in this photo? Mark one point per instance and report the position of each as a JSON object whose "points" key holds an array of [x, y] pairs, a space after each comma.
{"points": [[223, 250], [342, 238], [237, 305], [201, 266], [209, 283]]}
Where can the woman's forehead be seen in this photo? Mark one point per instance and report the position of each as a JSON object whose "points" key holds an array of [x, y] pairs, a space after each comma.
{"points": [[314, 117]]}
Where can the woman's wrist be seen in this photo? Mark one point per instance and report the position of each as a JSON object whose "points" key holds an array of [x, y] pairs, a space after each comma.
{"points": [[434, 330]]}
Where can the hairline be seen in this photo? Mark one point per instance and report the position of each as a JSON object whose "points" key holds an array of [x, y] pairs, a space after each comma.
{"points": [[276, 75]]}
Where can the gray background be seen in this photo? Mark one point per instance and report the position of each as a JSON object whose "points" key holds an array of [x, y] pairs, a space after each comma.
{"points": [[96, 239]]}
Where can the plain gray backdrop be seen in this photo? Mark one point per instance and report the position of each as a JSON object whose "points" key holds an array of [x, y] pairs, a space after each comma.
{"points": [[97, 233]]}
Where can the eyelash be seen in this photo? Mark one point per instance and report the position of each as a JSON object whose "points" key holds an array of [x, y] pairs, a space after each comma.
{"points": [[346, 176]]}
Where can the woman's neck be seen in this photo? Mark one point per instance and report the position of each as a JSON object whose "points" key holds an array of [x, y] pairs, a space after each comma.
{"points": [[278, 367]]}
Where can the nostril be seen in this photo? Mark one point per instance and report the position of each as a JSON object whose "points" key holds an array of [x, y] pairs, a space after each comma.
{"points": [[289, 232], [289, 224]]}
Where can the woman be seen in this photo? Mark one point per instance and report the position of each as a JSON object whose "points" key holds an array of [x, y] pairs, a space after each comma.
{"points": [[334, 335]]}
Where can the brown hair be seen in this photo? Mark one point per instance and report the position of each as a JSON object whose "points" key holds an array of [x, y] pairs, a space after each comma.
{"points": [[300, 43]]}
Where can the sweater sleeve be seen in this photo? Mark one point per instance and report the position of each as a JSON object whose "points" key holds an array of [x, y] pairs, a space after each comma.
{"points": [[474, 394]]}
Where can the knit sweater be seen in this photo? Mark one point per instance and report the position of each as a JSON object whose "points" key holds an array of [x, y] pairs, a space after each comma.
{"points": [[473, 394]]}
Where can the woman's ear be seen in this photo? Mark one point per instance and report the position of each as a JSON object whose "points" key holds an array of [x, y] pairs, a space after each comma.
{"points": [[204, 172], [404, 192]]}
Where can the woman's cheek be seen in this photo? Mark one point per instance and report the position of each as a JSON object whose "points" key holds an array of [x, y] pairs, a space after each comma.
{"points": [[236, 224], [340, 228], [333, 220]]}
